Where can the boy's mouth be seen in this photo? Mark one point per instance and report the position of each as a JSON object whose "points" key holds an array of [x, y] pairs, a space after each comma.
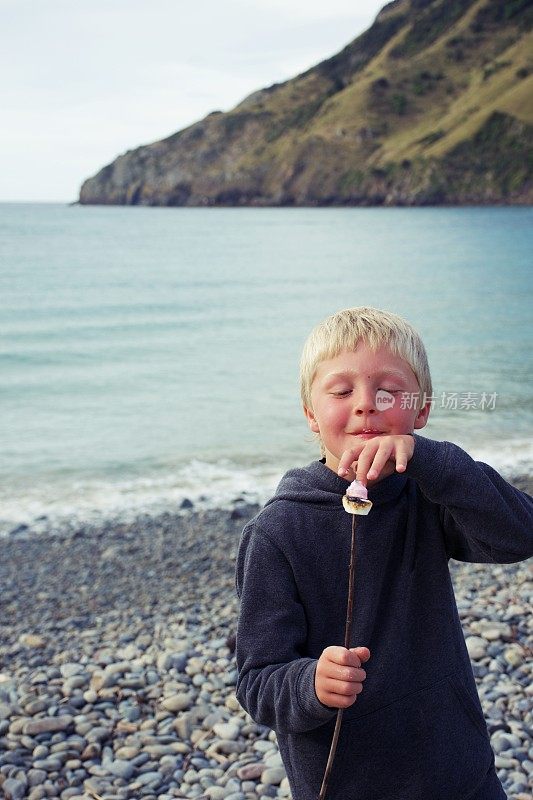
{"points": [[367, 433]]}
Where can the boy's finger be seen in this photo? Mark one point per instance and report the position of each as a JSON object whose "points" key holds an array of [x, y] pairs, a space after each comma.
{"points": [[345, 688], [363, 466], [374, 459], [380, 459], [363, 654], [348, 458], [339, 701], [404, 454], [338, 655], [365, 459], [342, 657], [346, 674]]}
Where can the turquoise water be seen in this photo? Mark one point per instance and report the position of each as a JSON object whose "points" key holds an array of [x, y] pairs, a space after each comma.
{"points": [[152, 354]]}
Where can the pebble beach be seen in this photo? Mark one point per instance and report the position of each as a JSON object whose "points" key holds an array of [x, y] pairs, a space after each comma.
{"points": [[117, 673]]}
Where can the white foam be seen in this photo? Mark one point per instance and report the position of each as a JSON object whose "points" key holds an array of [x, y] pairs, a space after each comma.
{"points": [[510, 457], [207, 485]]}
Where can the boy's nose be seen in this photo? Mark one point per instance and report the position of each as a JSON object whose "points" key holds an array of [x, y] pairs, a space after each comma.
{"points": [[365, 402]]}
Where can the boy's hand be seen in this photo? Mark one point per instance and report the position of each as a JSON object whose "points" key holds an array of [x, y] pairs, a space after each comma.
{"points": [[339, 677], [376, 458]]}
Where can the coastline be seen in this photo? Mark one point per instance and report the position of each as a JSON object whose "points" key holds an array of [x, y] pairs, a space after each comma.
{"points": [[117, 676], [52, 520]]}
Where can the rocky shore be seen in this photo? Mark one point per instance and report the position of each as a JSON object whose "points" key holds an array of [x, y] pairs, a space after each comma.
{"points": [[117, 675]]}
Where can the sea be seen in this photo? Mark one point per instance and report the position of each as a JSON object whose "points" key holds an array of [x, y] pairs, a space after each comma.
{"points": [[150, 355]]}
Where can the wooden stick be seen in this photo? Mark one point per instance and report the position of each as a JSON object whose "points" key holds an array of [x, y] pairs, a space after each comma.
{"points": [[347, 637]]}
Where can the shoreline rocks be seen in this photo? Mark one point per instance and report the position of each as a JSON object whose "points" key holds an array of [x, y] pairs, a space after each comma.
{"points": [[117, 673]]}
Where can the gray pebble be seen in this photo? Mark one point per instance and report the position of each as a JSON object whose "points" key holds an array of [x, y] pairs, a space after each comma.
{"points": [[272, 776], [48, 764], [14, 789], [122, 769], [96, 785], [171, 660], [476, 646], [215, 792], [75, 682], [273, 760], [97, 734], [154, 778], [37, 793], [36, 777], [226, 730], [35, 706], [177, 702], [141, 759], [501, 742], [48, 725], [517, 787], [70, 669], [71, 792]]}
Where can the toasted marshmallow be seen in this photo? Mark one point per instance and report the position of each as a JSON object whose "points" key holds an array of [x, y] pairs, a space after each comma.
{"points": [[356, 501]]}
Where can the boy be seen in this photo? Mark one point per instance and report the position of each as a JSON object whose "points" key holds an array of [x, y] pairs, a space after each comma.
{"points": [[413, 728]]}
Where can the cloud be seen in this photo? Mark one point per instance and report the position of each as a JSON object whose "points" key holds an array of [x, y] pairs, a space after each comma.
{"points": [[95, 79]]}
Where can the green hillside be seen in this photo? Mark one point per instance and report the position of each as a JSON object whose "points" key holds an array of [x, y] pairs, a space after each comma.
{"points": [[433, 104]]}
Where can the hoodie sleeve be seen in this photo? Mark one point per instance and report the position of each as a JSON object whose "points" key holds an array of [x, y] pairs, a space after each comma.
{"points": [[485, 519], [276, 681]]}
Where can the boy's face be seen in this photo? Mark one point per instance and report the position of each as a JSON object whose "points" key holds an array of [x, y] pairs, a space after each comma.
{"points": [[349, 403]]}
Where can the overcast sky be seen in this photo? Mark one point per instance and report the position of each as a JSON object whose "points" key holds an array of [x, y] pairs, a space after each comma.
{"points": [[85, 80]]}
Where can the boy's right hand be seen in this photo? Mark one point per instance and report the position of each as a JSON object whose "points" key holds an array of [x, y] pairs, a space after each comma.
{"points": [[339, 677]]}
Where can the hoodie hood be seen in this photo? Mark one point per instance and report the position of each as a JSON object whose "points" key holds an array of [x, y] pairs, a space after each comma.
{"points": [[319, 485]]}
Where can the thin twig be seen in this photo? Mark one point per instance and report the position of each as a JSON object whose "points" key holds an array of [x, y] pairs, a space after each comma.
{"points": [[347, 637]]}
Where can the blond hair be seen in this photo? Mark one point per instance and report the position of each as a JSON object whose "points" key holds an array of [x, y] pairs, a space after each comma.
{"points": [[345, 329]]}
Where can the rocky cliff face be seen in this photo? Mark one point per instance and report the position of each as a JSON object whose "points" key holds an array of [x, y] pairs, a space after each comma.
{"points": [[433, 104]]}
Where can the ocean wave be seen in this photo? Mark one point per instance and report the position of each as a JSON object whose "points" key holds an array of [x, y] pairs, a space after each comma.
{"points": [[61, 504], [510, 458], [74, 501]]}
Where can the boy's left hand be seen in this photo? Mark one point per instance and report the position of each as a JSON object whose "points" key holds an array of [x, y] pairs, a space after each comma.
{"points": [[376, 458]]}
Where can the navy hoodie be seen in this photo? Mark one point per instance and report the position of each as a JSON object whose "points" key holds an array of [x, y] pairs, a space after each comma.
{"points": [[416, 732]]}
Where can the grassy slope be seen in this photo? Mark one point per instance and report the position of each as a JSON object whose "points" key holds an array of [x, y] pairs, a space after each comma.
{"points": [[434, 99], [455, 104]]}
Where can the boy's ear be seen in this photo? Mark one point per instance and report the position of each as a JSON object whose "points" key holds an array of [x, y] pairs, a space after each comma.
{"points": [[422, 416], [311, 419]]}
